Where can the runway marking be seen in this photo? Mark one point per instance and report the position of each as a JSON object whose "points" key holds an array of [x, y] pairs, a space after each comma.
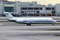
{"points": [[2, 39], [28, 26], [1, 23]]}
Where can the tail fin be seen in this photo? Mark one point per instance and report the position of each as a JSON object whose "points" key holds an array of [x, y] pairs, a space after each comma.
{"points": [[8, 15]]}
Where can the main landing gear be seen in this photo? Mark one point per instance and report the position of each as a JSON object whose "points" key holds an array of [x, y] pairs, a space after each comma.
{"points": [[53, 24], [28, 24]]}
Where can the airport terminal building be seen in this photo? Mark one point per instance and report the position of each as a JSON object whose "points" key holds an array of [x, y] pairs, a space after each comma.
{"points": [[29, 8]]}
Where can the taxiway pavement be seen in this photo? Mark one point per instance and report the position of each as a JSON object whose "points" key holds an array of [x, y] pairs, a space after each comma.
{"points": [[14, 31]]}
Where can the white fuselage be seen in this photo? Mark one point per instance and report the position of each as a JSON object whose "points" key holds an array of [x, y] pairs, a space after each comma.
{"points": [[29, 20], [34, 20]]}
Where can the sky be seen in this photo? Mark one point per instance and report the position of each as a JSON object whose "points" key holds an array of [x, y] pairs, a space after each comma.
{"points": [[42, 2]]}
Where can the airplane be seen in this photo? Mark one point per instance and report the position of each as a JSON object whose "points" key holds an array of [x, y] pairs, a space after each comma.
{"points": [[29, 20]]}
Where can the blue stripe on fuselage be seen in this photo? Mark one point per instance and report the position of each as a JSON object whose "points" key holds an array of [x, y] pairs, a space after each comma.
{"points": [[39, 21]]}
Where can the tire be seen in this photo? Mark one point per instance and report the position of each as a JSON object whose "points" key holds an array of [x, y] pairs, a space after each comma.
{"points": [[53, 24], [29, 24]]}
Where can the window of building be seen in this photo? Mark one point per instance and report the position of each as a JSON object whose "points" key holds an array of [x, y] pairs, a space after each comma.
{"points": [[9, 9], [53, 11], [37, 11], [40, 8], [36, 8], [31, 4], [30, 8], [48, 8], [52, 8], [22, 12], [24, 8]]}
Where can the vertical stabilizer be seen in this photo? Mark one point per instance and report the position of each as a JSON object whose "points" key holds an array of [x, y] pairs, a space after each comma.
{"points": [[8, 15]]}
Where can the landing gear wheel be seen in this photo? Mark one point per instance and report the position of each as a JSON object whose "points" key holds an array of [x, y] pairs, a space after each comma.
{"points": [[29, 24], [53, 24]]}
